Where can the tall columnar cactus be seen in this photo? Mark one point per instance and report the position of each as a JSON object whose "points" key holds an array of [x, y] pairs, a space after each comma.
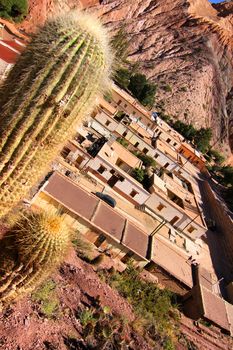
{"points": [[52, 86], [39, 242]]}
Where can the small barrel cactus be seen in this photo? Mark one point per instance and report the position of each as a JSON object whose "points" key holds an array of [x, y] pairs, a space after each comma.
{"points": [[52, 86], [39, 242]]}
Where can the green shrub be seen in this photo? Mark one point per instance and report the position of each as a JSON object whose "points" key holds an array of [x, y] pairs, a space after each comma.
{"points": [[46, 296], [167, 88], [216, 156], [139, 174], [122, 141], [156, 307], [146, 160], [13, 9]]}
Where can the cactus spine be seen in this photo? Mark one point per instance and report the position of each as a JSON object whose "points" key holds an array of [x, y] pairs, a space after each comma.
{"points": [[40, 241], [52, 86]]}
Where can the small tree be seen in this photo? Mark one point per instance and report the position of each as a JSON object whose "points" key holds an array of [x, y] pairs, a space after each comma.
{"points": [[202, 139], [122, 141], [122, 77], [136, 84], [13, 9], [146, 160], [216, 156], [139, 174]]}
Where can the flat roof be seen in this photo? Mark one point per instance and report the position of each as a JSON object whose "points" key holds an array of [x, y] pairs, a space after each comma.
{"points": [[72, 197], [106, 106], [97, 213], [110, 221], [172, 261], [217, 309], [112, 151], [135, 239]]}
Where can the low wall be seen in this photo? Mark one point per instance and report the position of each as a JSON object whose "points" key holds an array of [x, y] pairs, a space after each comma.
{"points": [[223, 222]]}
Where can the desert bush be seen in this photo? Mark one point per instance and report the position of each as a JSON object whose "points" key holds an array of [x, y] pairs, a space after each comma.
{"points": [[48, 301], [13, 9], [156, 308], [82, 247], [139, 174], [122, 141]]}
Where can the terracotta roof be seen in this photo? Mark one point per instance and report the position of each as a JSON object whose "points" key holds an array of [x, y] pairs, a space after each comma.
{"points": [[10, 51]]}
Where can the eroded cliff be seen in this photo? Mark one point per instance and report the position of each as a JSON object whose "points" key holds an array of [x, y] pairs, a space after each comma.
{"points": [[185, 45]]}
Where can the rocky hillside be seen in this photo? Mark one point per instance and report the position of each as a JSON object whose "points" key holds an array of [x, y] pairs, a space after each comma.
{"points": [[185, 46]]}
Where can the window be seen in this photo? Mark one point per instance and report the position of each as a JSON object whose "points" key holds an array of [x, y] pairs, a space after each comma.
{"points": [[191, 229], [136, 144], [119, 102], [112, 171], [119, 162], [166, 165], [127, 257], [134, 113], [65, 152], [168, 140], [174, 220], [160, 207], [156, 155], [107, 123], [133, 193], [101, 169], [145, 150], [100, 240], [174, 144], [124, 134], [125, 105], [78, 161]]}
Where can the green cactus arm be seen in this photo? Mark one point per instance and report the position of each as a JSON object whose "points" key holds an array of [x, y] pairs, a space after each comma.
{"points": [[58, 86]]}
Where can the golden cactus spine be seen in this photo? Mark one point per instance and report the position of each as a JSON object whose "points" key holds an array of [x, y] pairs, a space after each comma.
{"points": [[51, 87], [40, 243]]}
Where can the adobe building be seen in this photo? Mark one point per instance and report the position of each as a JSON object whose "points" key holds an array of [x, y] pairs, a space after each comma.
{"points": [[204, 301], [96, 220], [193, 156]]}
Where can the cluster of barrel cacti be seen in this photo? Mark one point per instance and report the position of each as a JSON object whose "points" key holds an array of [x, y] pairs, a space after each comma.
{"points": [[52, 86], [39, 243]]}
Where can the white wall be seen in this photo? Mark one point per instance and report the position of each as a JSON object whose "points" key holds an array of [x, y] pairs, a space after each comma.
{"points": [[169, 212], [126, 186], [104, 119]]}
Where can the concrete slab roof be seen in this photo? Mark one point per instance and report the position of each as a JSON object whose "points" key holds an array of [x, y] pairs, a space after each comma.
{"points": [[172, 261], [71, 196], [110, 221], [100, 215], [136, 239], [216, 309]]}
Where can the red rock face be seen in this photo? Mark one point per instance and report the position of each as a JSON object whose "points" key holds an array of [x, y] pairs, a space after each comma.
{"points": [[184, 44]]}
